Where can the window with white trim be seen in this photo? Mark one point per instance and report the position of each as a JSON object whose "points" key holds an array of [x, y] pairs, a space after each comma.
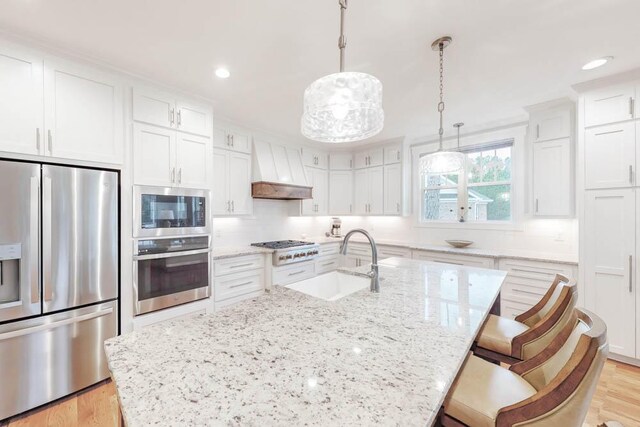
{"points": [[480, 193]]}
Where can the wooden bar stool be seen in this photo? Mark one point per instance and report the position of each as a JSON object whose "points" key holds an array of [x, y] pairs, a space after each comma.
{"points": [[511, 341], [554, 388]]}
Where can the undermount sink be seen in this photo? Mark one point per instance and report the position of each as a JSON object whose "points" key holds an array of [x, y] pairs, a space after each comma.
{"points": [[331, 286]]}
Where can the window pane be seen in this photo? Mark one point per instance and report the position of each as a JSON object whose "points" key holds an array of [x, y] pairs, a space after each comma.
{"points": [[489, 165], [490, 203], [439, 204], [432, 181], [474, 167]]}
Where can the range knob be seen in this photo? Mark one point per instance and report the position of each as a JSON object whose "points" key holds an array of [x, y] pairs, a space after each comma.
{"points": [[289, 256], [282, 257], [309, 253]]}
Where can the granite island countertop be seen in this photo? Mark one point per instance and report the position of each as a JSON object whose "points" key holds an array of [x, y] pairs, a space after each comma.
{"points": [[286, 358]]}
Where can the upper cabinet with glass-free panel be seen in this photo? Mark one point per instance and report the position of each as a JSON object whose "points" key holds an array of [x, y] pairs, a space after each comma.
{"points": [[21, 114], [231, 138], [610, 105], [369, 158], [315, 158], [165, 109], [341, 161], [392, 154]]}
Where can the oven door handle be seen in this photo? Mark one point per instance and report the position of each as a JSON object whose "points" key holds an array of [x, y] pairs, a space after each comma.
{"points": [[170, 254]]}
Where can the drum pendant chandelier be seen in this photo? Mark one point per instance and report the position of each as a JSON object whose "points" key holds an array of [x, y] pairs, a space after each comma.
{"points": [[442, 162], [345, 106]]}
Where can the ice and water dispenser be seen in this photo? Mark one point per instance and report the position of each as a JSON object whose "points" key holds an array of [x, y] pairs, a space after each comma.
{"points": [[10, 256]]}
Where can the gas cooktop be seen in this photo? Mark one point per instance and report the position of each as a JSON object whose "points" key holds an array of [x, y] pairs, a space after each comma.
{"points": [[282, 244]]}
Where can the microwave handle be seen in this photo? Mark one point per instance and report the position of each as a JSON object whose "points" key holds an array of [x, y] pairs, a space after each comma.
{"points": [[170, 254]]}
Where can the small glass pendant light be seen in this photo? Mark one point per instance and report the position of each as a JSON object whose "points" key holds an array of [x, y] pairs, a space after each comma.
{"points": [[345, 106], [442, 162]]}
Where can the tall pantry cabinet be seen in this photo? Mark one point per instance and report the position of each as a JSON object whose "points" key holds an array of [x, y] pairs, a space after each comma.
{"points": [[609, 146]]}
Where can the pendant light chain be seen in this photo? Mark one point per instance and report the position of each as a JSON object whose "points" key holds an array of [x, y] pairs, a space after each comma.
{"points": [[342, 41], [441, 103]]}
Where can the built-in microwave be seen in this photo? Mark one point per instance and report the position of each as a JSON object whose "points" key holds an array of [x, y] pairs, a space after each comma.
{"points": [[165, 212]]}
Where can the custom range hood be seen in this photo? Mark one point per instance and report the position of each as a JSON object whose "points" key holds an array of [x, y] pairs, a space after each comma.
{"points": [[278, 173]]}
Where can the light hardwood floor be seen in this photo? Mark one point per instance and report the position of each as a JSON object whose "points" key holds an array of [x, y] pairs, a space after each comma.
{"points": [[617, 398]]}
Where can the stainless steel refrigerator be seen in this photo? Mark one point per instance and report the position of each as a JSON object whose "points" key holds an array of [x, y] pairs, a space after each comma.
{"points": [[59, 254]]}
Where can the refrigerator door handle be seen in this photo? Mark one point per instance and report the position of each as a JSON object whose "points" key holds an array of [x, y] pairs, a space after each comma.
{"points": [[34, 232], [52, 325], [46, 238]]}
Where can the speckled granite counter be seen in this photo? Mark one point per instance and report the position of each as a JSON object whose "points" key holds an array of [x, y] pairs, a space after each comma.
{"points": [[286, 358], [471, 251], [234, 251]]}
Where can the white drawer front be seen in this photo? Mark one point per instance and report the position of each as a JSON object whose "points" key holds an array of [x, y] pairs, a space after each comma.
{"points": [[393, 251], [511, 309], [238, 284], [542, 272], [329, 249], [294, 273], [237, 265], [327, 264], [471, 261], [525, 294], [359, 249]]}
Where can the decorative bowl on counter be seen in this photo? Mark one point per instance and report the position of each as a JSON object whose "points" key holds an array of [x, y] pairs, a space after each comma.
{"points": [[459, 243]]}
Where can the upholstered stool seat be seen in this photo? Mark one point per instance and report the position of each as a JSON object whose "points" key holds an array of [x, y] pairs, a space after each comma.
{"points": [[482, 389], [553, 388], [513, 340]]}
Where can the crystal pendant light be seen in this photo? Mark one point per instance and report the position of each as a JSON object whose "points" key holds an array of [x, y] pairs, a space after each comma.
{"points": [[441, 162], [345, 106]]}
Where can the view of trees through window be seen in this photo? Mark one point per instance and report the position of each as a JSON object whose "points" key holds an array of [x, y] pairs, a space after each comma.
{"points": [[485, 185]]}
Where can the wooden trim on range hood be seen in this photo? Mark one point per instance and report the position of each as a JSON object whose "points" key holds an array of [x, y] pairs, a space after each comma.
{"points": [[279, 191]]}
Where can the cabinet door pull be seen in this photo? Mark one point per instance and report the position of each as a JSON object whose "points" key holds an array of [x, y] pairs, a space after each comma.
{"points": [[537, 131], [631, 106], [536, 205], [296, 273], [328, 263], [398, 155], [248, 264], [233, 206], [398, 207], [350, 163], [240, 284], [630, 273], [171, 116], [350, 208], [173, 174], [630, 174], [38, 139], [228, 205], [180, 176], [179, 117], [49, 141], [233, 144]]}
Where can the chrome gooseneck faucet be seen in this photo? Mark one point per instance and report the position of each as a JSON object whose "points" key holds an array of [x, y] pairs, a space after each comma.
{"points": [[375, 279]]}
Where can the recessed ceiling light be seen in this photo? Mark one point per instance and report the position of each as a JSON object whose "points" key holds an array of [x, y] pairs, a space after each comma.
{"points": [[222, 73], [596, 63]]}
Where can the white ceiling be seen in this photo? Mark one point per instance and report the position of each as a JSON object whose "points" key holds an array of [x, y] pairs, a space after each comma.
{"points": [[506, 54]]}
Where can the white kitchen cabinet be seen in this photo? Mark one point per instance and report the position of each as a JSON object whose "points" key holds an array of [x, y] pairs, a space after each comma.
{"points": [[231, 183], [319, 204], [161, 108], [153, 155], [610, 105], [527, 282], [237, 278], [368, 158], [183, 311], [232, 139], [392, 154], [193, 159], [551, 124], [611, 265], [448, 258], [165, 158], [315, 158], [340, 192], [610, 156], [388, 251], [292, 273], [393, 189], [82, 113], [341, 161], [369, 191], [21, 115], [553, 178]]}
